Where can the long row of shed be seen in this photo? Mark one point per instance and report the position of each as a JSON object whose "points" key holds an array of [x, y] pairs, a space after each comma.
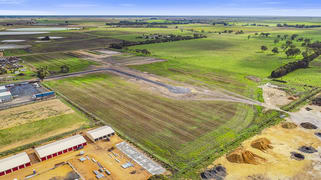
{"points": [[48, 151]]}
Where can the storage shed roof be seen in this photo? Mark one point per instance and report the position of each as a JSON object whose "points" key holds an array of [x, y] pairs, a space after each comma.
{"points": [[60, 145], [100, 132], [14, 161]]}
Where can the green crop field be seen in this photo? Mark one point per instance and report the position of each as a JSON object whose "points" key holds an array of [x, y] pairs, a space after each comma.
{"points": [[177, 132], [55, 60]]}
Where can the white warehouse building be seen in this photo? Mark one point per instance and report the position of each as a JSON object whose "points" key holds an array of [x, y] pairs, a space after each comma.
{"points": [[100, 133], [60, 147], [14, 163], [3, 89], [5, 96]]}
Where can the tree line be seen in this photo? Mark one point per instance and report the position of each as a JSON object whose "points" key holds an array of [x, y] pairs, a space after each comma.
{"points": [[168, 38], [298, 26], [304, 63]]}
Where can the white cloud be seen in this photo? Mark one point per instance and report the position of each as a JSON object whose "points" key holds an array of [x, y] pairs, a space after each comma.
{"points": [[24, 12], [77, 5], [11, 1]]}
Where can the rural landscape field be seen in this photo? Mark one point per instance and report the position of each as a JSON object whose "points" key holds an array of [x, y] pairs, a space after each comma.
{"points": [[178, 97]]}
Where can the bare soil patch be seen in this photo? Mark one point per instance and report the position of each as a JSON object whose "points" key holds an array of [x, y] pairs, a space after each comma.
{"points": [[281, 163], [33, 112], [275, 97]]}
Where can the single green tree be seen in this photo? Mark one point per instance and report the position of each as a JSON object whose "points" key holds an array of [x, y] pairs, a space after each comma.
{"points": [[264, 48], [64, 69], [42, 72], [275, 50], [276, 41]]}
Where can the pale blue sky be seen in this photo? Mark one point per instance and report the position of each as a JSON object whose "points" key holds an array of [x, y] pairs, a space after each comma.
{"points": [[162, 7]]}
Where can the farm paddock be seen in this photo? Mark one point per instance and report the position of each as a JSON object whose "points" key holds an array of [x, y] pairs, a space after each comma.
{"points": [[176, 131], [37, 121]]}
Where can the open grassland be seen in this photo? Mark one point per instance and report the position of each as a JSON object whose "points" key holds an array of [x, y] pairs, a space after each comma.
{"points": [[55, 60], [38, 121], [226, 56], [177, 132]]}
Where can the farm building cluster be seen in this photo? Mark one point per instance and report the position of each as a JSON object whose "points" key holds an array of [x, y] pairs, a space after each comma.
{"points": [[24, 92], [52, 150], [11, 64], [5, 94]]}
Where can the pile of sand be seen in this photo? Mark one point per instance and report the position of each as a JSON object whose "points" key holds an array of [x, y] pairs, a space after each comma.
{"points": [[243, 156], [289, 125], [262, 144]]}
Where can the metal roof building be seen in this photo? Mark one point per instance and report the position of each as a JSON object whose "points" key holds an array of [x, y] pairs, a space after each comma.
{"points": [[14, 163], [3, 89], [100, 133], [59, 147], [5, 96]]}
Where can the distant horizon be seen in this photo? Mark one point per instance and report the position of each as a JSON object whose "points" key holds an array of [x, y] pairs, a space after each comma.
{"points": [[89, 15], [278, 8]]}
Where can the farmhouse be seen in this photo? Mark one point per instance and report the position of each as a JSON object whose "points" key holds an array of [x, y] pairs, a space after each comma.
{"points": [[60, 147], [5, 96], [100, 133], [14, 163]]}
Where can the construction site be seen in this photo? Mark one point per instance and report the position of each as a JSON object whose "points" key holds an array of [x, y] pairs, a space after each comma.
{"points": [[80, 157]]}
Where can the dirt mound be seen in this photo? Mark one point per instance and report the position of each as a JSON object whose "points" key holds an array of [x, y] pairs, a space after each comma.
{"points": [[217, 173], [291, 98], [262, 144], [289, 125], [308, 125], [297, 156], [307, 149], [243, 156]]}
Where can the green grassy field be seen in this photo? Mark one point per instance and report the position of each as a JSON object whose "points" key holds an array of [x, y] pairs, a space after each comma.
{"points": [[31, 131], [226, 55], [39, 128], [55, 60], [177, 132]]}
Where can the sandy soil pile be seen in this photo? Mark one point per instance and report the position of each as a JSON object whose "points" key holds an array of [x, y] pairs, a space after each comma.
{"points": [[241, 155], [262, 144], [289, 125]]}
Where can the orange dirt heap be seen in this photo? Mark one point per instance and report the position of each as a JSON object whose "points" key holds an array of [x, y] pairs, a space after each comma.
{"points": [[289, 125], [243, 156], [262, 144]]}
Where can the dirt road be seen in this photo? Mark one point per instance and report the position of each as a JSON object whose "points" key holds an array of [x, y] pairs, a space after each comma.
{"points": [[166, 87]]}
